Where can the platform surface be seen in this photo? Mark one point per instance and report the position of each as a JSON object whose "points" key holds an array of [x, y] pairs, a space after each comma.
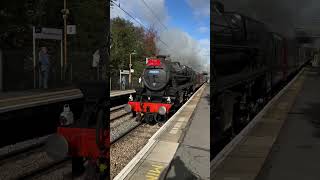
{"points": [[121, 92], [36, 98], [246, 158], [153, 160], [296, 153], [25, 99], [192, 159]]}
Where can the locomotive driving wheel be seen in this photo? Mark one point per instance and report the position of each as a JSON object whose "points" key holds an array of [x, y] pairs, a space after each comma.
{"points": [[139, 117], [160, 119]]}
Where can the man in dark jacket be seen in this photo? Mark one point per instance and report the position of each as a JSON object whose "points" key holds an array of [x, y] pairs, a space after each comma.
{"points": [[44, 68]]}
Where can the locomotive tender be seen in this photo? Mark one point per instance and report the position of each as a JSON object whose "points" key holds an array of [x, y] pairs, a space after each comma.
{"points": [[250, 63], [166, 86]]}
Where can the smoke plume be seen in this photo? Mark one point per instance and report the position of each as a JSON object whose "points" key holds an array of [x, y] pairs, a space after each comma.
{"points": [[183, 48]]}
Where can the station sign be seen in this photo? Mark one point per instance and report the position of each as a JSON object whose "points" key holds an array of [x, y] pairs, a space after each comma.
{"points": [[47, 33], [124, 71], [71, 29]]}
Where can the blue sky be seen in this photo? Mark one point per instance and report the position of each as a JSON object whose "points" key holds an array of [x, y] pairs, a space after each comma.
{"points": [[182, 16], [188, 26]]}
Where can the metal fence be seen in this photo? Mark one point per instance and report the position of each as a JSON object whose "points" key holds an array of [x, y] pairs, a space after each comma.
{"points": [[116, 84]]}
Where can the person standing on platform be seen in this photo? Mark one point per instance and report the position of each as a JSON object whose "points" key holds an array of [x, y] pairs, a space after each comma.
{"points": [[140, 81], [44, 68], [123, 83]]}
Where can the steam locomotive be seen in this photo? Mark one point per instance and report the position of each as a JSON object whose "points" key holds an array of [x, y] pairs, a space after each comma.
{"points": [[166, 86], [250, 64]]}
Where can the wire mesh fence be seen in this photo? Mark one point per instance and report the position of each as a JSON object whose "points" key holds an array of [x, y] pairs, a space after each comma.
{"points": [[122, 84]]}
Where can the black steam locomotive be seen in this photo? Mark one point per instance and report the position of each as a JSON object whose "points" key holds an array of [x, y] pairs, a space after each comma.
{"points": [[166, 85], [250, 63]]}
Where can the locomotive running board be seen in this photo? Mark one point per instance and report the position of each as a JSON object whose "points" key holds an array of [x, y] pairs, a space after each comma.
{"points": [[140, 163]]}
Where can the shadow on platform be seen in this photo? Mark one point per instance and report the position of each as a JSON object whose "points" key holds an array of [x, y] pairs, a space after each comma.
{"points": [[177, 170]]}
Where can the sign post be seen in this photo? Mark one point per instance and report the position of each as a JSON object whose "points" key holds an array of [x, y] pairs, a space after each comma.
{"points": [[44, 33], [123, 72]]}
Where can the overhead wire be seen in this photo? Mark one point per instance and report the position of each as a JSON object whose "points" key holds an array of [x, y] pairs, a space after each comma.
{"points": [[131, 16], [151, 10]]}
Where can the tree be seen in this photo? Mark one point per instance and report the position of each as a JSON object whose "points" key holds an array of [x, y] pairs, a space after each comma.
{"points": [[126, 38], [149, 42], [17, 18]]}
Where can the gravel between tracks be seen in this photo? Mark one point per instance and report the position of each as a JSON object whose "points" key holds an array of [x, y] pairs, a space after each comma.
{"points": [[117, 113], [125, 149], [63, 173], [24, 164]]}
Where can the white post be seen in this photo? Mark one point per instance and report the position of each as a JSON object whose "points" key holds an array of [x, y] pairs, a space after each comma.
{"points": [[130, 71], [34, 57], [120, 80]]}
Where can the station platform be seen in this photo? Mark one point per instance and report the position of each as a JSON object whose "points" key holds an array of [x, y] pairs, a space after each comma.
{"points": [[171, 141], [192, 159], [121, 92], [25, 99], [282, 141]]}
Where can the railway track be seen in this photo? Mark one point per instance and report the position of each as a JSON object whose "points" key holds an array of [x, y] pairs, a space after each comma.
{"points": [[127, 146], [123, 134], [31, 162], [118, 112], [127, 137], [28, 162], [46, 170], [121, 123]]}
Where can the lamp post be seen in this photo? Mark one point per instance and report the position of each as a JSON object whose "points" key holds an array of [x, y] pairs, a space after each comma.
{"points": [[65, 13], [130, 66]]}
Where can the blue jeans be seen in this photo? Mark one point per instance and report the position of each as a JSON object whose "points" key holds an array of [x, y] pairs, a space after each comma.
{"points": [[43, 79]]}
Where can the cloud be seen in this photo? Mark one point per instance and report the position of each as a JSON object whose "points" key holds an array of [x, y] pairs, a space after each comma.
{"points": [[200, 7], [140, 11], [203, 29], [183, 48]]}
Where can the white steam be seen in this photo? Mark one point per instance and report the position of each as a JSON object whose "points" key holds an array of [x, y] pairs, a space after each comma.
{"points": [[183, 48]]}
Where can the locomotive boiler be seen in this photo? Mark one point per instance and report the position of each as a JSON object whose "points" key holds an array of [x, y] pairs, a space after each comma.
{"points": [[167, 85]]}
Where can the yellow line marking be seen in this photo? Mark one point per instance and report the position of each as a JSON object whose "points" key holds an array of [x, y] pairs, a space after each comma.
{"points": [[154, 172]]}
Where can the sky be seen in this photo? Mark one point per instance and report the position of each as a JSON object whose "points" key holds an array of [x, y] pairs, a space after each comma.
{"points": [[183, 27]]}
